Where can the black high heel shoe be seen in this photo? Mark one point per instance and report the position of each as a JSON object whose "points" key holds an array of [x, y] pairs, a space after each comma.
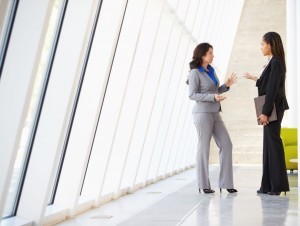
{"points": [[231, 190], [261, 192], [275, 193], [207, 191]]}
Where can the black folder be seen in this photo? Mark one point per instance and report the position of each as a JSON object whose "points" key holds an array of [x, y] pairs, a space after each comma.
{"points": [[259, 103]]}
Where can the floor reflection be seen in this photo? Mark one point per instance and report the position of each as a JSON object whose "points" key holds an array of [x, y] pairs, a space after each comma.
{"points": [[226, 209], [274, 209], [203, 210], [293, 179]]}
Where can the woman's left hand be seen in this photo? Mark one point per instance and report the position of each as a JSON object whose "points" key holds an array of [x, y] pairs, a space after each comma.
{"points": [[231, 80], [263, 119]]}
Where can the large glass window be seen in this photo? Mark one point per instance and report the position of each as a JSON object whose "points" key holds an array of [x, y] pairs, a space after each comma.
{"points": [[8, 11], [32, 115], [106, 39], [118, 86]]}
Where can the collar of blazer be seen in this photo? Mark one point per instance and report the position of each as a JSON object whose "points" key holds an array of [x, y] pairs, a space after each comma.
{"points": [[267, 66], [210, 73]]}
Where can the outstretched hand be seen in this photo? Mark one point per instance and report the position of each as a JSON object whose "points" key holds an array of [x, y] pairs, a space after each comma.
{"points": [[249, 76], [231, 80]]}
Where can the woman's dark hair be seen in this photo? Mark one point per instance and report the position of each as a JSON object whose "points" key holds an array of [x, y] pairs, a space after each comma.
{"points": [[275, 42], [199, 52]]}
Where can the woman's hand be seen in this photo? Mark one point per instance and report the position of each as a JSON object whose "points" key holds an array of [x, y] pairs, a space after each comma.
{"points": [[263, 119], [248, 76], [219, 97], [231, 80]]}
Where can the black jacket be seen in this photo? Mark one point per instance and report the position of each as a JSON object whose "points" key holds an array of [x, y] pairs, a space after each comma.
{"points": [[272, 84]]}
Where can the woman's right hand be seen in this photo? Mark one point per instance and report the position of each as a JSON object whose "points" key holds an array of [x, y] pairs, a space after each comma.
{"points": [[219, 97], [248, 76]]}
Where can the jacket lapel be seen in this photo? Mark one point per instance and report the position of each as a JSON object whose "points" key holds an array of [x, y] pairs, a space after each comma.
{"points": [[204, 74], [266, 68]]}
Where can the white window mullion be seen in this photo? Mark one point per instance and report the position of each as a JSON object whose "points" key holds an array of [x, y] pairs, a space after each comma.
{"points": [[185, 113], [165, 85], [183, 141], [177, 87], [142, 65], [146, 150], [149, 94], [55, 116], [106, 39], [75, 39], [113, 105], [17, 80]]}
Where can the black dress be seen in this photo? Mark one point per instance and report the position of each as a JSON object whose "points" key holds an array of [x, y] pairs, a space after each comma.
{"points": [[272, 84]]}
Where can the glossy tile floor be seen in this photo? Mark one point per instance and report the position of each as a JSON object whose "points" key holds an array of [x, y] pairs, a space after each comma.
{"points": [[175, 201]]}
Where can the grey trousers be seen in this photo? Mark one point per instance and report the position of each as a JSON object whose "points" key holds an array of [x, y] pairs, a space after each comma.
{"points": [[208, 125]]}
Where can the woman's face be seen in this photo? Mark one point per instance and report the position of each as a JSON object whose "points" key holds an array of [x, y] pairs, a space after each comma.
{"points": [[265, 48], [209, 56]]}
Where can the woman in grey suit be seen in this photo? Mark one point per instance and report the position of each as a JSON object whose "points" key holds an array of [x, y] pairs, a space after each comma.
{"points": [[205, 89]]}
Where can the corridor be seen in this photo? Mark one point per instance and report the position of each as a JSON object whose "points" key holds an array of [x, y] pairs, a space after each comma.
{"points": [[175, 201]]}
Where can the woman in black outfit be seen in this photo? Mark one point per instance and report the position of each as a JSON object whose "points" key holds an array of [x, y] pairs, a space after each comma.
{"points": [[272, 84]]}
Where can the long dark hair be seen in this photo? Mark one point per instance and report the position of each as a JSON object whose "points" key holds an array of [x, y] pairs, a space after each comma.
{"points": [[275, 42], [199, 52]]}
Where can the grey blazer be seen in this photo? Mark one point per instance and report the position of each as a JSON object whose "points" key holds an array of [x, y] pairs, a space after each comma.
{"points": [[202, 89]]}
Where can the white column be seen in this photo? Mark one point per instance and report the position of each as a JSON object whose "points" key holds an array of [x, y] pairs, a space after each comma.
{"points": [[291, 56], [298, 73]]}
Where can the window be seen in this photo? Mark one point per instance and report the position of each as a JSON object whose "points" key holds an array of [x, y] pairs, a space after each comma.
{"points": [[7, 14], [32, 116]]}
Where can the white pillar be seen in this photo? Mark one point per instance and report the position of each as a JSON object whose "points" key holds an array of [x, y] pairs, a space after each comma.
{"points": [[298, 74], [291, 60]]}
